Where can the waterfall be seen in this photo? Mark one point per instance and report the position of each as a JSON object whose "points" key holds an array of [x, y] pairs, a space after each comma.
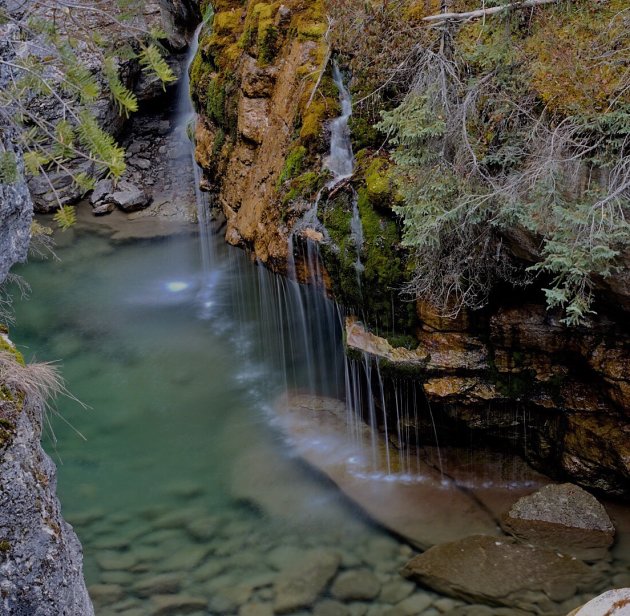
{"points": [[185, 118], [340, 160]]}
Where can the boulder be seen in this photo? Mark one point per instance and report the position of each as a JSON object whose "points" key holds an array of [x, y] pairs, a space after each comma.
{"points": [[129, 198], [612, 603], [300, 585], [102, 190], [501, 572], [562, 517]]}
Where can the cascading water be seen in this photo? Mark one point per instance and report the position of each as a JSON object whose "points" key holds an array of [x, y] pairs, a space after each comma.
{"points": [[185, 117], [340, 160]]}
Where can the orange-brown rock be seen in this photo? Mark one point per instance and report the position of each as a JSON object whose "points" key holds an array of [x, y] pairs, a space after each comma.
{"points": [[433, 319]]}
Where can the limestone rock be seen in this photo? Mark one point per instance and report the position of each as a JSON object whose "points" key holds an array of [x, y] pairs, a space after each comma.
{"points": [[562, 517], [158, 585], [395, 591], [256, 609], [356, 585], [256, 81], [102, 190], [498, 571], [16, 213], [129, 197], [425, 512], [175, 605], [40, 557], [103, 209], [328, 607], [415, 604], [299, 586], [253, 118], [612, 603], [105, 594]]}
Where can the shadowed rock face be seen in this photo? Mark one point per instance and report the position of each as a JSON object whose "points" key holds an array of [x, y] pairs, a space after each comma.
{"points": [[521, 378]]}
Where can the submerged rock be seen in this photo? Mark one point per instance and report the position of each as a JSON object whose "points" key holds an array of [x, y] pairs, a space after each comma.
{"points": [[502, 572], [299, 586], [171, 605], [356, 585], [424, 509], [562, 517]]}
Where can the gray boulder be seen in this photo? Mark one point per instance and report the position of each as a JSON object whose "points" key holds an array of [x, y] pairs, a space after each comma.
{"points": [[129, 198], [562, 517]]}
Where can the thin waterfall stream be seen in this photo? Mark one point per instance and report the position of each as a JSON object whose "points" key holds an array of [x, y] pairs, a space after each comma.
{"points": [[200, 370]]}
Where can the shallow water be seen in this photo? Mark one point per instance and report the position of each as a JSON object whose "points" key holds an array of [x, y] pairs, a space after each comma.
{"points": [[181, 472]]}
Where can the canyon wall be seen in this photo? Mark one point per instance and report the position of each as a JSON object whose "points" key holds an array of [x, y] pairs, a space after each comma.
{"points": [[512, 373]]}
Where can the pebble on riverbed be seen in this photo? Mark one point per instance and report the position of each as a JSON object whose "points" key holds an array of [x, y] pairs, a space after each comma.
{"points": [[194, 562]]}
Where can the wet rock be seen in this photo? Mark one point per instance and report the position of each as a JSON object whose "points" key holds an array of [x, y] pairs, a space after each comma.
{"points": [[175, 605], [562, 517], [444, 605], [498, 571], [111, 560], [129, 198], [425, 513], [158, 585], [415, 604], [256, 609], [328, 607], [612, 603], [284, 557], [358, 608], [123, 578], [105, 594], [299, 585], [183, 559], [395, 591], [356, 585], [228, 594]]}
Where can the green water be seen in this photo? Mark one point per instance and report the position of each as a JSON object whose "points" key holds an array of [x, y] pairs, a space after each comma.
{"points": [[181, 474], [176, 434]]}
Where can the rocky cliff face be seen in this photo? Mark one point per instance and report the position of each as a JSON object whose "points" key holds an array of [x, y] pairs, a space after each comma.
{"points": [[252, 81], [16, 214], [513, 374], [40, 555]]}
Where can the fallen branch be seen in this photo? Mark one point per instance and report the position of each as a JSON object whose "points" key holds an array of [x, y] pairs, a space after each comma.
{"points": [[484, 12], [324, 65]]}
